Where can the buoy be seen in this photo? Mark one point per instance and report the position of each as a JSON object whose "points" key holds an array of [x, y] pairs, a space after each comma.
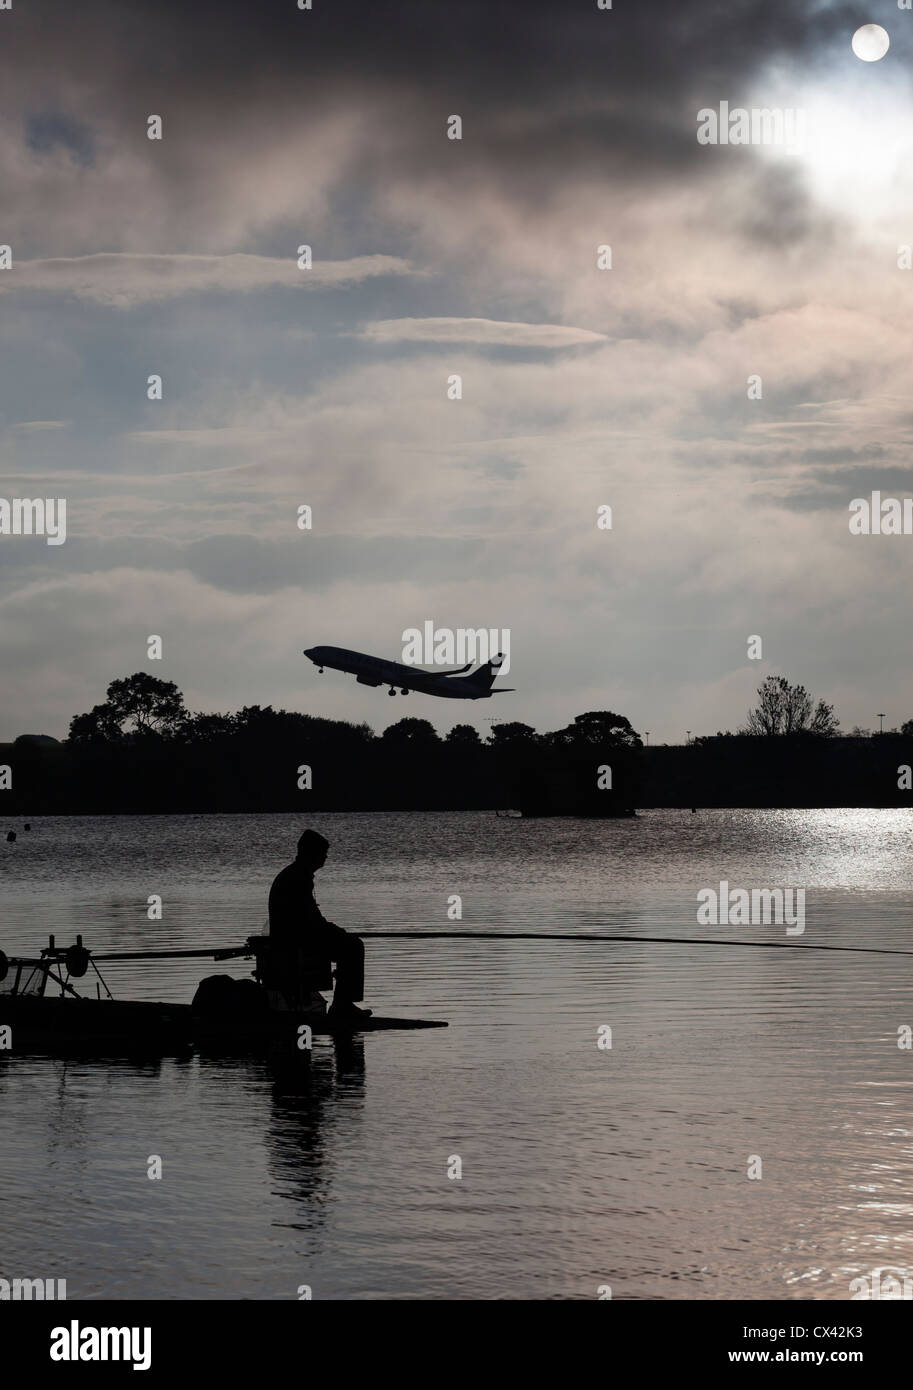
{"points": [[26, 826], [10, 836]]}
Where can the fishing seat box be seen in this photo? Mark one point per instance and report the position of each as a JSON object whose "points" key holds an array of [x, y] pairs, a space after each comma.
{"points": [[312, 972]]}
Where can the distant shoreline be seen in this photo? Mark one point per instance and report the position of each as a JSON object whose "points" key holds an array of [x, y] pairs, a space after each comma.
{"points": [[161, 777]]}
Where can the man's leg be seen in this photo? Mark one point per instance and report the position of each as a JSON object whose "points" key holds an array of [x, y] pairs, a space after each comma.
{"points": [[350, 969], [348, 951]]}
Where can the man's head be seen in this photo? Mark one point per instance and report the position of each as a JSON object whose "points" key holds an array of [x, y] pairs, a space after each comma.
{"points": [[312, 849]]}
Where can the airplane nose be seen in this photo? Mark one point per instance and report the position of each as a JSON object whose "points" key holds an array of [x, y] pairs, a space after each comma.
{"points": [[309, 651]]}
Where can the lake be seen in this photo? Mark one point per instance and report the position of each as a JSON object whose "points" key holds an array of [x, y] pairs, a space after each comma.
{"points": [[581, 1165]]}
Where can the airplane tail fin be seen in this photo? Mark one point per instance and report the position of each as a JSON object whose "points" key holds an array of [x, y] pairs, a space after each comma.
{"points": [[484, 678]]}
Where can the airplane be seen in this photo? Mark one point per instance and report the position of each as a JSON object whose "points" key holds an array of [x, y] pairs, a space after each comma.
{"points": [[374, 670]]}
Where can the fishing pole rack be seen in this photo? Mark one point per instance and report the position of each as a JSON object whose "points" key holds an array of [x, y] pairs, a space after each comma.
{"points": [[56, 964], [61, 964]]}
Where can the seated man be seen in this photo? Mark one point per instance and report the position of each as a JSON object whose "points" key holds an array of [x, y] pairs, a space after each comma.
{"points": [[299, 931]]}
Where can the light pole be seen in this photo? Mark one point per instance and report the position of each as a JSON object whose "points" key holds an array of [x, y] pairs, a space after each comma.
{"points": [[880, 717], [687, 735], [647, 736]]}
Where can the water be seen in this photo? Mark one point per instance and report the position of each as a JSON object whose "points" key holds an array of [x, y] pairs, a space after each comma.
{"points": [[580, 1166]]}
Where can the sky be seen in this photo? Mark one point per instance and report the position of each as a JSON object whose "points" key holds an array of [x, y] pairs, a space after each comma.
{"points": [[432, 257]]}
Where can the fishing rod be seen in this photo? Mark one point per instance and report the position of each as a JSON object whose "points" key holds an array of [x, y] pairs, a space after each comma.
{"points": [[227, 952], [601, 940], [77, 959], [204, 953]]}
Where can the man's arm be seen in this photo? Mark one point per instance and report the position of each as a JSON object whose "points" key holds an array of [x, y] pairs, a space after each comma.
{"points": [[282, 915]]}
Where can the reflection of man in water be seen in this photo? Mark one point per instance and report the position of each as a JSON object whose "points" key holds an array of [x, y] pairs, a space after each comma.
{"points": [[299, 933]]}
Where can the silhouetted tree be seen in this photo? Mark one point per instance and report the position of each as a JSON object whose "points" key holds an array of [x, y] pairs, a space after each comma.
{"points": [[139, 704], [145, 704], [597, 729], [416, 732], [464, 736], [789, 709], [252, 717], [99, 725], [512, 734], [204, 728]]}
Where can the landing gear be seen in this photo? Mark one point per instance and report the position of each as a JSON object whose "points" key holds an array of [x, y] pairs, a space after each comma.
{"points": [[320, 670], [391, 691], [404, 692]]}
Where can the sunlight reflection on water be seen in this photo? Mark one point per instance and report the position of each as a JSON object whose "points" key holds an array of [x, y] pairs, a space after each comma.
{"points": [[580, 1166]]}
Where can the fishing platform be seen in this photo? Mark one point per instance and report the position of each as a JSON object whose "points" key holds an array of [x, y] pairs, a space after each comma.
{"points": [[43, 1010]]}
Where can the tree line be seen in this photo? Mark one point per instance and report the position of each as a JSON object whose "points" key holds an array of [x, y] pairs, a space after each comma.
{"points": [[142, 750]]}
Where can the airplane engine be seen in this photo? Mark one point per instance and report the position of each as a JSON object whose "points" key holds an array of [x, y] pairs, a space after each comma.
{"points": [[366, 680]]}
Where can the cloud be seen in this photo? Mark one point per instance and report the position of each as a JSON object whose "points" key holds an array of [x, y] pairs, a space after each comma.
{"points": [[48, 131], [39, 426], [625, 386], [486, 332], [122, 280]]}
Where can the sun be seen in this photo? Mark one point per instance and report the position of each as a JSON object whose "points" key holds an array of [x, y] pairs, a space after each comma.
{"points": [[871, 43]]}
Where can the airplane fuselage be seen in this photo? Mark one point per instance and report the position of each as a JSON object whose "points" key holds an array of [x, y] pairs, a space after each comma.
{"points": [[375, 671]]}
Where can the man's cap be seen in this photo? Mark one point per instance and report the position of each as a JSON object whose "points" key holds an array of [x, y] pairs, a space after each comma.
{"points": [[310, 843]]}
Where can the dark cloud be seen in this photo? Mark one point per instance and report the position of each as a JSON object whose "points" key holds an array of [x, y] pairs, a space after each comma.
{"points": [[328, 126], [544, 89]]}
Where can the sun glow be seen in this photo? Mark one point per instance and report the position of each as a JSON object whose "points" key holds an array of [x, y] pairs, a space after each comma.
{"points": [[870, 43], [857, 150]]}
